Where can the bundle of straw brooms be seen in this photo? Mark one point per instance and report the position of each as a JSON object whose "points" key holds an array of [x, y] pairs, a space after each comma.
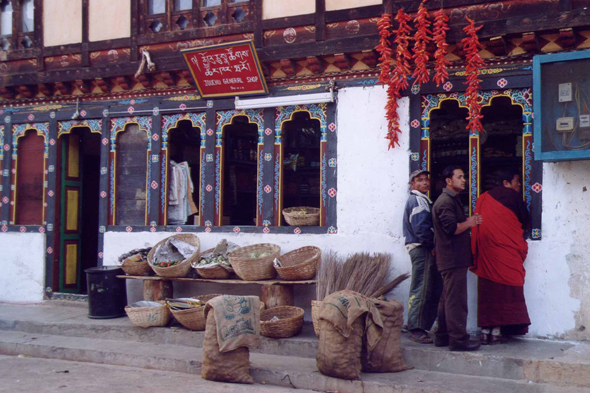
{"points": [[361, 272]]}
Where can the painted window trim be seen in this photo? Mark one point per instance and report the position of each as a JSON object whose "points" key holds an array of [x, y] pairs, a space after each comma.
{"points": [[552, 156], [169, 123], [119, 124], [18, 131], [518, 96]]}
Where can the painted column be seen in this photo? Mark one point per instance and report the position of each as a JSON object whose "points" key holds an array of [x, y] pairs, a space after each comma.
{"points": [[104, 187], [50, 198]]}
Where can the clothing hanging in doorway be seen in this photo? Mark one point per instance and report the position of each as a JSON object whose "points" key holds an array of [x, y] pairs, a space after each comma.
{"points": [[180, 194]]}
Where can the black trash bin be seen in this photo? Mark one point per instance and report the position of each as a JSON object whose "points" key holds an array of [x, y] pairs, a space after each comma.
{"points": [[107, 294]]}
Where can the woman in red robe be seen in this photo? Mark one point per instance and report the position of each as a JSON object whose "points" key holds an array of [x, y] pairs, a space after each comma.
{"points": [[499, 249]]}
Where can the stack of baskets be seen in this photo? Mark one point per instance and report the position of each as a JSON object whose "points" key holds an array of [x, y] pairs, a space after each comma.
{"points": [[146, 314], [300, 264], [248, 264], [302, 216], [288, 324], [182, 269], [193, 318]]}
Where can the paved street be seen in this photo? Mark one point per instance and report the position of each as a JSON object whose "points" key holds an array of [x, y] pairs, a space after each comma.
{"points": [[58, 376]]}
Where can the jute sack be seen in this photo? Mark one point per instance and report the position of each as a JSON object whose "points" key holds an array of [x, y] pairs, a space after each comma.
{"points": [[386, 356], [233, 327], [339, 356], [345, 318], [232, 366]]}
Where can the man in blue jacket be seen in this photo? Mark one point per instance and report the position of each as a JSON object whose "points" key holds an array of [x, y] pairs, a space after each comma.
{"points": [[426, 284]]}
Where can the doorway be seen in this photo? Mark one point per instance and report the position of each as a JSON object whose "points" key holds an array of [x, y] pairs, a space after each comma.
{"points": [[78, 181]]}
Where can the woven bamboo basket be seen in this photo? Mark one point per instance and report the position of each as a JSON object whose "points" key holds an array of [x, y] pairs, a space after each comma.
{"points": [[216, 272], [182, 269], [193, 318], [297, 220], [145, 317], [289, 324], [252, 269], [300, 264], [315, 315], [141, 268]]}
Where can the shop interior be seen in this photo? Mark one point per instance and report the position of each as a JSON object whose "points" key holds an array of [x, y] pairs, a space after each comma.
{"points": [[184, 146], [240, 172], [301, 162], [500, 143]]}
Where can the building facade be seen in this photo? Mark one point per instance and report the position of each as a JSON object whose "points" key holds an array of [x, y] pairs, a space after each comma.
{"points": [[90, 137]]}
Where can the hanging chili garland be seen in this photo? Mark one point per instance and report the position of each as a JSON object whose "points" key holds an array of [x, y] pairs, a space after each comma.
{"points": [[441, 74], [384, 48], [399, 77], [422, 37], [472, 46]]}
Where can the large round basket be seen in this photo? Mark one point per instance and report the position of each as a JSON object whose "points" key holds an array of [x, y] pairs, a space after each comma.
{"points": [[216, 272], [296, 217], [182, 269], [194, 318], [315, 315], [141, 268], [300, 264], [289, 324], [250, 268], [149, 316]]}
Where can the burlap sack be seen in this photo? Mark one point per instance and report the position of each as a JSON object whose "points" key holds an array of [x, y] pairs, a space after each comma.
{"points": [[386, 356], [345, 318], [232, 366], [238, 321], [339, 356]]}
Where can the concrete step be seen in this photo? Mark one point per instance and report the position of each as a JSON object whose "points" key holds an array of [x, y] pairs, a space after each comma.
{"points": [[283, 371], [540, 361]]}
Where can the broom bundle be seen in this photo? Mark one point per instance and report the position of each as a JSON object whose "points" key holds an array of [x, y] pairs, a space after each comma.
{"points": [[361, 272]]}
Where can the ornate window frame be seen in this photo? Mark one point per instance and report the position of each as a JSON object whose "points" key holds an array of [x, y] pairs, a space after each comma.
{"points": [[18, 131], [119, 124]]}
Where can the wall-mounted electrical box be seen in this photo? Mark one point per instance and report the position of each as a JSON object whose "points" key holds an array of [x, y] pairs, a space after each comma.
{"points": [[561, 104]]}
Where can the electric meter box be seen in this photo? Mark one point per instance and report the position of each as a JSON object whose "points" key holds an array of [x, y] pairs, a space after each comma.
{"points": [[561, 105]]}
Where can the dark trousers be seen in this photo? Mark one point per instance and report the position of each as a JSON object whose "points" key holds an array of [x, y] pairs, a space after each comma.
{"points": [[452, 309], [425, 289]]}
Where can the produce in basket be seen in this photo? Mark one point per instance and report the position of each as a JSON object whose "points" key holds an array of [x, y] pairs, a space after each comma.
{"points": [[217, 257], [260, 255], [166, 263]]}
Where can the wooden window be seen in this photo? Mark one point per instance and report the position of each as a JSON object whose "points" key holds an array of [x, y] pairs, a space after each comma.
{"points": [[301, 162], [156, 7], [5, 23], [28, 16], [183, 5], [176, 15], [184, 148], [240, 172], [29, 179], [131, 176]]}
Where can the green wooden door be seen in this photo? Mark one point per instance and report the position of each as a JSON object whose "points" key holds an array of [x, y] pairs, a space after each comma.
{"points": [[70, 273]]}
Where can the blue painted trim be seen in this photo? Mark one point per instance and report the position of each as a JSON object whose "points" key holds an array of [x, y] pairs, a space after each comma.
{"points": [[537, 108]]}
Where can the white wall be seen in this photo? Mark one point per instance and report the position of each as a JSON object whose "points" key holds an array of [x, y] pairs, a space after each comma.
{"points": [[22, 262], [62, 22], [109, 19]]}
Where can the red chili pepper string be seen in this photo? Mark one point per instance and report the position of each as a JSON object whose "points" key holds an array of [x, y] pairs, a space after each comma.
{"points": [[472, 46], [422, 37], [384, 48], [402, 53], [441, 74]]}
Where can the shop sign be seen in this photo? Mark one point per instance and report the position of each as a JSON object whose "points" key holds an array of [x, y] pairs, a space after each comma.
{"points": [[229, 69]]}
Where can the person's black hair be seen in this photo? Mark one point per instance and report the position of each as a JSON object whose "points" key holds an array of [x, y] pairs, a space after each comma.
{"points": [[506, 174], [448, 172]]}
